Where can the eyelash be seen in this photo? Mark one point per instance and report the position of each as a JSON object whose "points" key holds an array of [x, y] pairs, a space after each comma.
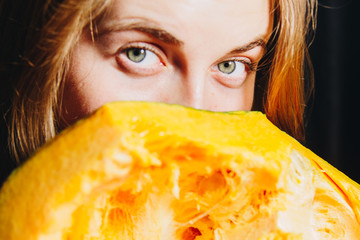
{"points": [[144, 46], [250, 65]]}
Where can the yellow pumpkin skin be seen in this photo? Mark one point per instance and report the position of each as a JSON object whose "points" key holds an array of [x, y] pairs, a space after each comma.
{"points": [[136, 170]]}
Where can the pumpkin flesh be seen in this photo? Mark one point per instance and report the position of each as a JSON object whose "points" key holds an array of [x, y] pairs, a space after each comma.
{"points": [[156, 171]]}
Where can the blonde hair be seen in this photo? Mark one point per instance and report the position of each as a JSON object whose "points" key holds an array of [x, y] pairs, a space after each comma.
{"points": [[36, 103], [35, 109], [287, 93]]}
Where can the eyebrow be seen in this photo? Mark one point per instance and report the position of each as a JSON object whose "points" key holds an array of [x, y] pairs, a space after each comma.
{"points": [[167, 37], [258, 42], [146, 28]]}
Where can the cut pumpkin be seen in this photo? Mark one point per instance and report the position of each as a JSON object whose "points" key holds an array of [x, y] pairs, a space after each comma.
{"points": [[136, 170]]}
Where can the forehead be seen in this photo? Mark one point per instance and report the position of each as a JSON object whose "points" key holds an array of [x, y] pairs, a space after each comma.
{"points": [[240, 20]]}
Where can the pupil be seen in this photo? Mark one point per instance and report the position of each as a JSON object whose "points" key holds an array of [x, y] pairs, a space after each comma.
{"points": [[137, 52], [226, 64]]}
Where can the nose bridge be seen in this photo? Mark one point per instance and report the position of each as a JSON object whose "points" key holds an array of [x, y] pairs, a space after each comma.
{"points": [[195, 86], [195, 75]]}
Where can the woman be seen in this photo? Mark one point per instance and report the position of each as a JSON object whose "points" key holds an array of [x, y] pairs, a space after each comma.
{"points": [[215, 55]]}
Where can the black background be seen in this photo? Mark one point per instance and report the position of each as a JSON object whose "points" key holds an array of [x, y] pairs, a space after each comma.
{"points": [[332, 119]]}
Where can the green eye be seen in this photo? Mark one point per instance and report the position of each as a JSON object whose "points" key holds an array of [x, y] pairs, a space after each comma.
{"points": [[136, 54], [227, 67]]}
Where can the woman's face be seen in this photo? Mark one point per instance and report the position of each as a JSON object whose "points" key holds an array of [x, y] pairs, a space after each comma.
{"points": [[197, 53]]}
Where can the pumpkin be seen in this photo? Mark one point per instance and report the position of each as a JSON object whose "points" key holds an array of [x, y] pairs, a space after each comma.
{"points": [[135, 170]]}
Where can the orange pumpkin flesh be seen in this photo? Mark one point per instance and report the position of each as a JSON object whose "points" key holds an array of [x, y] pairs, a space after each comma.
{"points": [[155, 171]]}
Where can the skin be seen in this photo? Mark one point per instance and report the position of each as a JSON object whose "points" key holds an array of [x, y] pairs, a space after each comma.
{"points": [[187, 50]]}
